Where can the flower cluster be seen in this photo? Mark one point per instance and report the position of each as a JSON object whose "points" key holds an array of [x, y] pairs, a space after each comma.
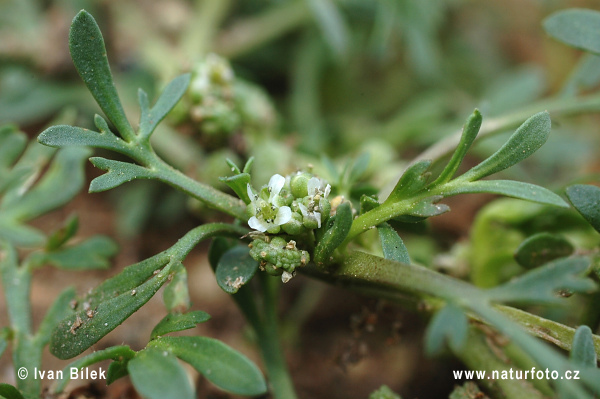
{"points": [[293, 204], [278, 257]]}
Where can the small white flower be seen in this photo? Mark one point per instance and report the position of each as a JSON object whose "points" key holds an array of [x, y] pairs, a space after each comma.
{"points": [[311, 216], [267, 212], [315, 186]]}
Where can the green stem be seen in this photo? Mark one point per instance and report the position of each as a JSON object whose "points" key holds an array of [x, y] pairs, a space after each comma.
{"points": [[268, 338]]}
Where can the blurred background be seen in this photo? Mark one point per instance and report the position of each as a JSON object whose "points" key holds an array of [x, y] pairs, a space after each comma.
{"points": [[328, 83]]}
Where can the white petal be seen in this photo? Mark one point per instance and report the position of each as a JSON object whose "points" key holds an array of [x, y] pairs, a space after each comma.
{"points": [[313, 185], [318, 217], [284, 215], [303, 209], [327, 191], [250, 192], [275, 185], [258, 224]]}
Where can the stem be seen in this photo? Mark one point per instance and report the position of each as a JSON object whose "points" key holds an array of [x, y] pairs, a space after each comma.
{"points": [[268, 338]]}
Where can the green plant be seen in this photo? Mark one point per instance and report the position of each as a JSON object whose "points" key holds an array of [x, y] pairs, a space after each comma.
{"points": [[303, 223]]}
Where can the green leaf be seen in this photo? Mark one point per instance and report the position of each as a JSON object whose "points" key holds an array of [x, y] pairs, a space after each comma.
{"points": [[526, 140], [59, 237], [544, 284], [157, 374], [449, 324], [58, 311], [176, 295], [368, 203], [510, 188], [12, 144], [65, 135], [21, 235], [542, 248], [118, 173], [469, 133], [89, 56], [332, 24], [238, 183], [220, 364], [235, 268], [585, 199], [583, 352], [428, 207], [359, 167], [178, 322], [384, 392], [335, 235], [392, 244], [579, 28], [170, 96], [412, 181], [116, 370], [79, 331], [9, 392], [90, 254]]}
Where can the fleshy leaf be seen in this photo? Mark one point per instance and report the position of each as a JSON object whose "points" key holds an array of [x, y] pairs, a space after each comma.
{"points": [[335, 235], [448, 325], [157, 374], [220, 364], [65, 135], [542, 248], [413, 180], [150, 118], [235, 268], [526, 140], [118, 173], [583, 352], [89, 56], [576, 27], [510, 188], [544, 284], [585, 199], [176, 295], [79, 331], [392, 244], [90, 254], [178, 322], [469, 133]]}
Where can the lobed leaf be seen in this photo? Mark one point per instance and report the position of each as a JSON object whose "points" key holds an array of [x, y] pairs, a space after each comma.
{"points": [[392, 245], [220, 364], [170, 96], [89, 56], [412, 181], [510, 188], [544, 284], [526, 140], [585, 199], [579, 28], [583, 352], [335, 235], [448, 325], [65, 135], [157, 374], [118, 173], [469, 133], [542, 248], [178, 322], [235, 268]]}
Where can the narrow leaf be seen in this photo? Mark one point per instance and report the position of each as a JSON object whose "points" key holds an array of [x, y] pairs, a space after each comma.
{"points": [[545, 284], [90, 254], [116, 370], [12, 144], [220, 364], [359, 167], [89, 56], [59, 237], [542, 248], [118, 173], [413, 180], [583, 352], [332, 24], [178, 322], [238, 184], [157, 374], [176, 295], [165, 103], [21, 235], [469, 133], [235, 268], [576, 27], [9, 392], [585, 199], [65, 135], [510, 188], [526, 140], [335, 235], [428, 208], [448, 325], [392, 244], [58, 311]]}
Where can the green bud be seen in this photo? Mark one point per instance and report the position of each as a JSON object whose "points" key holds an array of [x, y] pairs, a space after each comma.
{"points": [[299, 183], [294, 226]]}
